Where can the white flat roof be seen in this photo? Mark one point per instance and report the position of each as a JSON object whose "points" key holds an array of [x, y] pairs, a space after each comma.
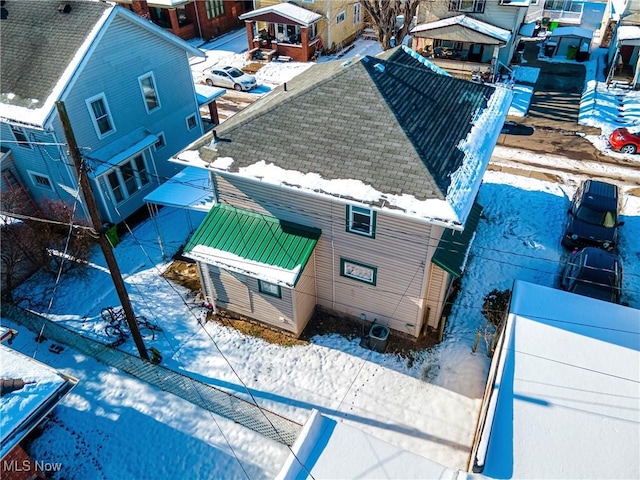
{"points": [[327, 449], [190, 188], [566, 398]]}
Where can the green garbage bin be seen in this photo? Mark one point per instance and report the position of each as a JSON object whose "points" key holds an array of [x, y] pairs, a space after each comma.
{"points": [[571, 52], [553, 25], [111, 231]]}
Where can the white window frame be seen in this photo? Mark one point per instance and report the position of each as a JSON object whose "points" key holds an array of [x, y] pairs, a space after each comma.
{"points": [[195, 121], [355, 209], [141, 178], [21, 131], [94, 120], [357, 14], [141, 78], [34, 175], [341, 17], [355, 270], [268, 288]]}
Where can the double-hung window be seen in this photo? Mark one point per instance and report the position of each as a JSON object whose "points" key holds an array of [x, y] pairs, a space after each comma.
{"points": [[361, 220], [214, 8], [357, 13], [475, 6], [100, 115], [149, 92], [129, 177], [20, 136]]}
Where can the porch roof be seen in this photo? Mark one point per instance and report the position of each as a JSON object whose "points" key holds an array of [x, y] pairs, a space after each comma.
{"points": [[253, 244], [572, 32], [119, 150], [191, 189], [453, 249], [206, 94], [288, 11], [463, 29]]}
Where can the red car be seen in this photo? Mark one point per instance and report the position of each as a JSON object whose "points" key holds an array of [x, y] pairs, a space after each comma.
{"points": [[624, 141]]}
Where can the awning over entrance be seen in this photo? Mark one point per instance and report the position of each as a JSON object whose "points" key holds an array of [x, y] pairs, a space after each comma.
{"points": [[288, 12], [453, 249], [463, 29], [190, 189], [252, 244]]}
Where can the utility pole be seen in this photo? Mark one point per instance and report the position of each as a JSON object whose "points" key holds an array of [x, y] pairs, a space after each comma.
{"points": [[105, 245]]}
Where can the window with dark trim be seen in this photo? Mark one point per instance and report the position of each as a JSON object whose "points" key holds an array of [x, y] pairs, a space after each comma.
{"points": [[361, 220], [340, 17], [191, 122], [214, 8], [358, 271], [475, 6], [21, 136], [269, 288], [160, 142]]}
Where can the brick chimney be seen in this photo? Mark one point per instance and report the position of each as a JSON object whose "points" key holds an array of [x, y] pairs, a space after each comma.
{"points": [[141, 8]]}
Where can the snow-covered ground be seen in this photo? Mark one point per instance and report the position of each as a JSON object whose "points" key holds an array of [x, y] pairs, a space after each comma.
{"points": [[114, 426]]}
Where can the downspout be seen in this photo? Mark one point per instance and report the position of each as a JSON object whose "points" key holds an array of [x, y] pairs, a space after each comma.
{"points": [[329, 43], [195, 4]]}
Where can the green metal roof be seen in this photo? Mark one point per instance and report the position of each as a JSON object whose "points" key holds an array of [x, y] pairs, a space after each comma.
{"points": [[255, 237], [451, 254]]}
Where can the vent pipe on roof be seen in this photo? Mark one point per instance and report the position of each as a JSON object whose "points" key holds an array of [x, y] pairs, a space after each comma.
{"points": [[379, 67], [285, 86], [64, 8], [214, 141]]}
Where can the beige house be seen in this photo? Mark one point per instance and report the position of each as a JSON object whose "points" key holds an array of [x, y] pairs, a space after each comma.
{"points": [[351, 189], [299, 30], [462, 36]]}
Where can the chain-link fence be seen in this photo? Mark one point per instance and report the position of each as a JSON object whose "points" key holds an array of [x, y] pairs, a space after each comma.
{"points": [[210, 398]]}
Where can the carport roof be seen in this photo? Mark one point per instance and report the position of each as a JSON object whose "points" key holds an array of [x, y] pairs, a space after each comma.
{"points": [[463, 29], [253, 244]]}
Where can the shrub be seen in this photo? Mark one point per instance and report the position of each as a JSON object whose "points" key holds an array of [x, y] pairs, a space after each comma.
{"points": [[496, 305]]}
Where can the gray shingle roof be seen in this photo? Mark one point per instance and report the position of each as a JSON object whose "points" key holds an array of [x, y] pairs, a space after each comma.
{"points": [[394, 125], [38, 43]]}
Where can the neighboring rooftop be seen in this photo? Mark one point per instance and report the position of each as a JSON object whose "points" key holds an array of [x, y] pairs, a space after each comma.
{"points": [[566, 395], [387, 133], [35, 389]]}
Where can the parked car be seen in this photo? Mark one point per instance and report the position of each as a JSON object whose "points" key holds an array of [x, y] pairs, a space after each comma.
{"points": [[593, 217], [625, 140], [229, 77], [594, 273]]}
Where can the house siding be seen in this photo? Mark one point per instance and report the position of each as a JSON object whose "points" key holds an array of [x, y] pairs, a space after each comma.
{"points": [[401, 252], [304, 301], [240, 294], [437, 289], [123, 54], [43, 158]]}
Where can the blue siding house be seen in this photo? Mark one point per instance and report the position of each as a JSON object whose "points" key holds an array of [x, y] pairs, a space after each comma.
{"points": [[126, 85]]}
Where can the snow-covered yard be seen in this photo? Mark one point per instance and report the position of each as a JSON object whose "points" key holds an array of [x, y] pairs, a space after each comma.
{"points": [[115, 426]]}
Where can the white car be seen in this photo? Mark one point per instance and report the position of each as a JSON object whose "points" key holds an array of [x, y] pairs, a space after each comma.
{"points": [[229, 77]]}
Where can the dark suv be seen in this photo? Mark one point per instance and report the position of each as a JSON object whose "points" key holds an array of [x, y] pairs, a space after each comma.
{"points": [[594, 273], [593, 217]]}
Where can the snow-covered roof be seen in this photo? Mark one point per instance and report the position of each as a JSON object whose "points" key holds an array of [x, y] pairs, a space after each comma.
{"points": [[28, 96], [426, 163], [330, 449], [190, 188], [572, 31], [115, 152], [206, 94], [628, 32], [466, 22], [565, 398], [287, 10], [22, 409]]}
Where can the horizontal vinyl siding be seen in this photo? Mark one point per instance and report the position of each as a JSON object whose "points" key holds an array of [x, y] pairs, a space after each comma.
{"points": [[438, 282], [305, 296], [43, 158], [240, 294], [400, 250], [123, 54]]}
